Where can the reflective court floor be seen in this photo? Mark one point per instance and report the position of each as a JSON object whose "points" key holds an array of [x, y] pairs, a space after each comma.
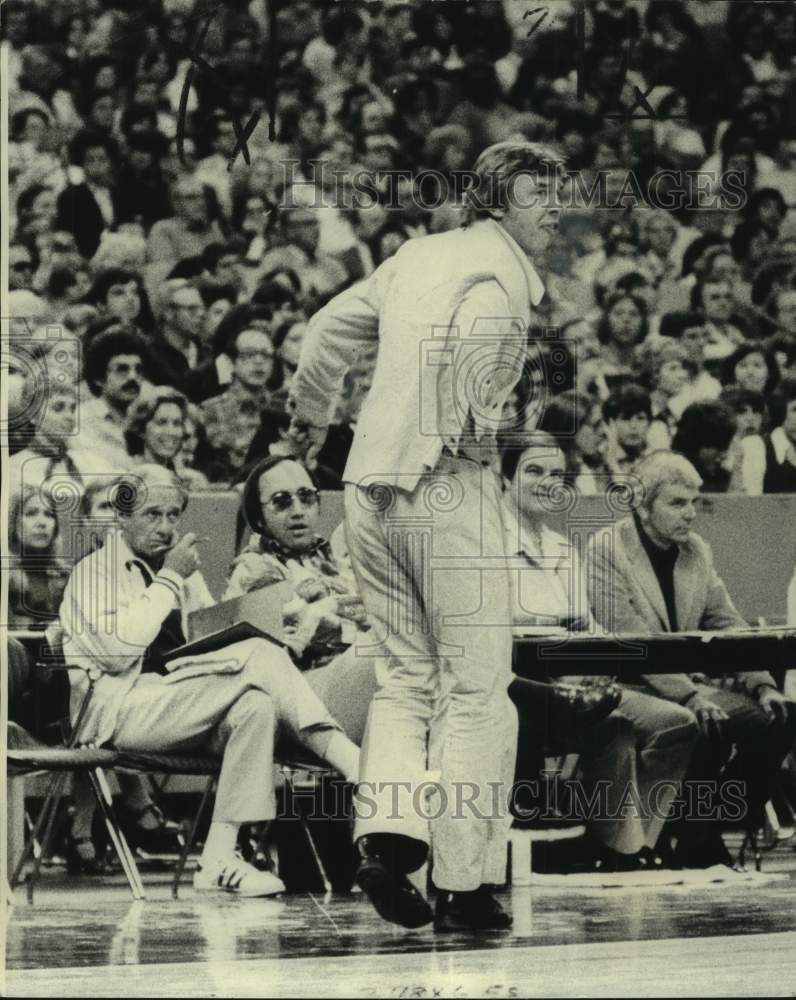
{"points": [[81, 938]]}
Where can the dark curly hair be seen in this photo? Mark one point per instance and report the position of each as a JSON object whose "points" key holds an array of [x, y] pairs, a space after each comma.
{"points": [[106, 345]]}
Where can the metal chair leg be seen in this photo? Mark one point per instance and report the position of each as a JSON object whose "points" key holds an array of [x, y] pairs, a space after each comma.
{"points": [[43, 820], [186, 848], [102, 792], [327, 885]]}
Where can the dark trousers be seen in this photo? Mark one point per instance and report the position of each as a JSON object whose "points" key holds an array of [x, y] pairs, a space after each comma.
{"points": [[747, 749]]}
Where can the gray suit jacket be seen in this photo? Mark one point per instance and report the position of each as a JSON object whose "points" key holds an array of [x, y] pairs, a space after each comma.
{"points": [[625, 597]]}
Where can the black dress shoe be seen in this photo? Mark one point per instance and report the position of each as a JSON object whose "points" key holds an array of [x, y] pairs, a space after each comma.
{"points": [[477, 910], [164, 836], [703, 855], [81, 856], [584, 855], [392, 894]]}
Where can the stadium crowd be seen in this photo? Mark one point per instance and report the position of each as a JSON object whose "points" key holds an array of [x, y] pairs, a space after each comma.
{"points": [[163, 268]]}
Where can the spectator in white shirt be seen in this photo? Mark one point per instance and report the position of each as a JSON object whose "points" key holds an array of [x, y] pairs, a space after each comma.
{"points": [[769, 462], [125, 607], [700, 384], [214, 169], [114, 370], [51, 457], [662, 365]]}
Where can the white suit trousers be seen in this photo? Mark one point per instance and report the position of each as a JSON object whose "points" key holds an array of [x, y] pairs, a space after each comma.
{"points": [[443, 642]]}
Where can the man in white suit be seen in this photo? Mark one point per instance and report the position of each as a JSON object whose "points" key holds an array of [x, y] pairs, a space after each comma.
{"points": [[449, 314], [125, 607]]}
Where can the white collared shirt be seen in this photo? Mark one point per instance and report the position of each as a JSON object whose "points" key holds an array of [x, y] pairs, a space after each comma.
{"points": [[753, 459], [110, 614], [101, 432], [102, 196], [546, 580]]}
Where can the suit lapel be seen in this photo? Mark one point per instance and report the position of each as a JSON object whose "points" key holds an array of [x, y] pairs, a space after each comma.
{"points": [[643, 572]]}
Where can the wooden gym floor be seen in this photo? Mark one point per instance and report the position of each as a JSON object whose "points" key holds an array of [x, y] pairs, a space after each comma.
{"points": [[86, 938]]}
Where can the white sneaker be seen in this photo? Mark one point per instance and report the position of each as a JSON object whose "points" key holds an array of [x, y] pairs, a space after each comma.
{"points": [[233, 874]]}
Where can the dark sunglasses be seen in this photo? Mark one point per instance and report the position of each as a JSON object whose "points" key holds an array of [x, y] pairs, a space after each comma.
{"points": [[283, 500], [22, 265]]}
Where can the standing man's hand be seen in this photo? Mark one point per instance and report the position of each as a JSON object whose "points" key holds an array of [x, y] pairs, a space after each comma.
{"points": [[307, 440], [774, 703], [183, 558]]}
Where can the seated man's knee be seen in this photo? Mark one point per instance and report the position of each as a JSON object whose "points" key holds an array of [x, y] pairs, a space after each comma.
{"points": [[677, 724], [253, 705], [269, 663]]}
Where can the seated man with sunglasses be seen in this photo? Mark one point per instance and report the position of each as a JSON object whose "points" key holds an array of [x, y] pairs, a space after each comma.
{"points": [[281, 506], [325, 622], [126, 607]]}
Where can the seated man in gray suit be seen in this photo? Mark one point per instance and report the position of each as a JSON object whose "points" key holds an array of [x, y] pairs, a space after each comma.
{"points": [[650, 572]]}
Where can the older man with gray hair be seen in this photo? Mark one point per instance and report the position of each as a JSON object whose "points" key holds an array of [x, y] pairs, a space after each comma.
{"points": [[124, 609], [651, 573]]}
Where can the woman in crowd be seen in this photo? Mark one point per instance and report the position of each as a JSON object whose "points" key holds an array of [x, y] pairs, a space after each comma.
{"points": [[661, 364], [50, 453], [156, 430], [549, 590], [751, 367], [623, 326], [750, 419], [37, 573]]}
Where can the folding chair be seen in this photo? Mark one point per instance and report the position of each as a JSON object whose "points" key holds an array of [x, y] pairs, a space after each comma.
{"points": [[27, 755], [203, 765]]}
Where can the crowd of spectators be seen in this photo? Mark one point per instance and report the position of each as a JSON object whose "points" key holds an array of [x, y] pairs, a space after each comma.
{"points": [[162, 271], [149, 254]]}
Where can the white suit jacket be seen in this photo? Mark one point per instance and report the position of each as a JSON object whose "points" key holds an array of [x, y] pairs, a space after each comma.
{"points": [[109, 616], [450, 314]]}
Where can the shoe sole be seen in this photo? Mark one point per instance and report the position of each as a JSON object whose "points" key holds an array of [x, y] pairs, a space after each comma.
{"points": [[237, 892], [380, 888], [469, 929]]}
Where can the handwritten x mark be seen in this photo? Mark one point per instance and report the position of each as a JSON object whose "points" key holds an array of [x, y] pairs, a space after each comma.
{"points": [[641, 102], [199, 63]]}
